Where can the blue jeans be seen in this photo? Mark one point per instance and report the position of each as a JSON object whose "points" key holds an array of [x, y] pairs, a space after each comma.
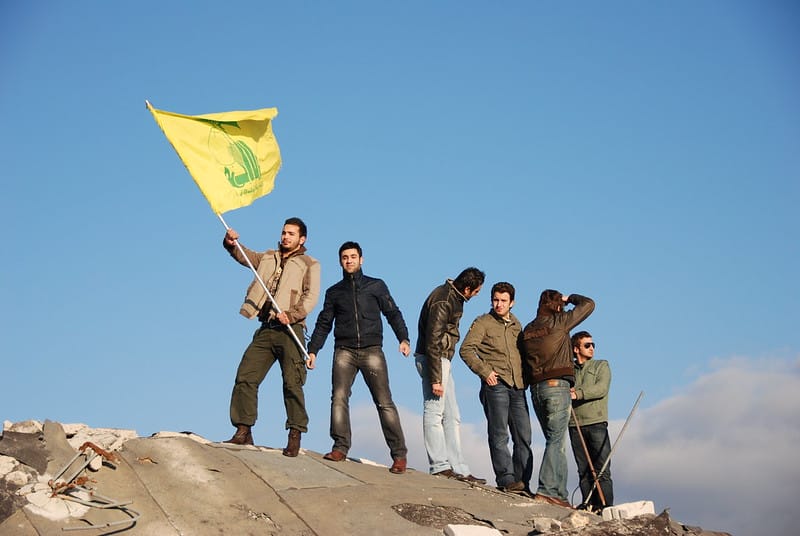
{"points": [[506, 408], [441, 421], [371, 362], [599, 446], [551, 402]]}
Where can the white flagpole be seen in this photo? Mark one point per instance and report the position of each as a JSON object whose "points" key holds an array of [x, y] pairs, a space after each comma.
{"points": [[264, 286]]}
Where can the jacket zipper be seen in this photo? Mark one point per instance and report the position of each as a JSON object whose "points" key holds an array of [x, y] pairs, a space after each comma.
{"points": [[355, 309], [506, 326]]}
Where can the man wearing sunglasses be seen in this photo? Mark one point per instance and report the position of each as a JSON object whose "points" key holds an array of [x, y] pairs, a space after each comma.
{"points": [[588, 425]]}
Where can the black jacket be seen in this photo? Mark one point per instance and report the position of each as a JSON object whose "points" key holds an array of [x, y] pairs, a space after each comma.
{"points": [[438, 327], [355, 304]]}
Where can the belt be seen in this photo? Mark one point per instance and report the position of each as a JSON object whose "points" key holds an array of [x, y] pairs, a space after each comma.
{"points": [[271, 324]]}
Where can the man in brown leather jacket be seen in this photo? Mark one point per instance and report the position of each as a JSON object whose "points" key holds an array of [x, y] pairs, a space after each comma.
{"points": [[547, 356]]}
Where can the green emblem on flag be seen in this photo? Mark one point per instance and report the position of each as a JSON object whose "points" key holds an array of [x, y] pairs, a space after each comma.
{"points": [[238, 160]]}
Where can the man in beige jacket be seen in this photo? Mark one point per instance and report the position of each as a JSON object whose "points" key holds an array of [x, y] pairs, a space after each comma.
{"points": [[293, 279]]}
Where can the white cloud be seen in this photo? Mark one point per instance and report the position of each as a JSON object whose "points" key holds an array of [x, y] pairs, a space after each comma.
{"points": [[721, 453]]}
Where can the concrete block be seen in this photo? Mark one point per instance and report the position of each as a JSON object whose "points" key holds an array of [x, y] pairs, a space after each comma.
{"points": [[18, 478], [544, 525], [628, 510], [23, 427], [7, 464]]}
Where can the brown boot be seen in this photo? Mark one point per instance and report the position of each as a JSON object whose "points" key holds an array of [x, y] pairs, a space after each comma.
{"points": [[243, 435], [293, 446]]}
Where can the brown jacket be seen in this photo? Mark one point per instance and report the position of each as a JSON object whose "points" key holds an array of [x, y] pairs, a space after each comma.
{"points": [[550, 356]]}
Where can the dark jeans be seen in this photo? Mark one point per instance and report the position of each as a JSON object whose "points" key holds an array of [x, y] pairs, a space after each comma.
{"points": [[599, 447], [506, 409], [270, 345], [371, 363]]}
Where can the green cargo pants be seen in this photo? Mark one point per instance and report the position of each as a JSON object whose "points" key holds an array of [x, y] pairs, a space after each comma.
{"points": [[271, 344]]}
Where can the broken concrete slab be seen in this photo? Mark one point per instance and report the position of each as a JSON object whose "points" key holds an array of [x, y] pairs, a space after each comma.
{"points": [[208, 490], [27, 448], [180, 483], [59, 451]]}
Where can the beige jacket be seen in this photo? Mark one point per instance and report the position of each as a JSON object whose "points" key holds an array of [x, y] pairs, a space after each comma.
{"points": [[298, 287]]}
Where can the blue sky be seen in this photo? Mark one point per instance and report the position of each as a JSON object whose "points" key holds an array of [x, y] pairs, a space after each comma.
{"points": [[645, 154]]}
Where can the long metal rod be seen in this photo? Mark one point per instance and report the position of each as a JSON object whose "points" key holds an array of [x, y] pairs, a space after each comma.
{"points": [[269, 294], [588, 459], [616, 441]]}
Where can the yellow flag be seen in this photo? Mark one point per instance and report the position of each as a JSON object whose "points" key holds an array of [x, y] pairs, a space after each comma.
{"points": [[232, 156]]}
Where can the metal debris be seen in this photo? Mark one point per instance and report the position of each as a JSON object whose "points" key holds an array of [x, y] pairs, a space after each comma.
{"points": [[68, 487]]}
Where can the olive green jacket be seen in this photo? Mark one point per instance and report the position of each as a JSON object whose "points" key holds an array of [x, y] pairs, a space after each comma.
{"points": [[491, 345], [592, 382]]}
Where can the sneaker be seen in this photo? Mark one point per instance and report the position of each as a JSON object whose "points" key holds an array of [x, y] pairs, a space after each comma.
{"points": [[471, 479]]}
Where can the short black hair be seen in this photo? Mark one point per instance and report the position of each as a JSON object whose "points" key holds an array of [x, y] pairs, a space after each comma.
{"points": [[350, 245], [469, 277], [300, 224]]}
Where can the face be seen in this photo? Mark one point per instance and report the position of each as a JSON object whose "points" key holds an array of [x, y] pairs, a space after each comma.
{"points": [[502, 303], [290, 238], [584, 353], [469, 293], [351, 261]]}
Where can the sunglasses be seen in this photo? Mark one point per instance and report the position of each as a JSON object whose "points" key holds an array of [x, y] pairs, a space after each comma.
{"points": [[588, 345]]}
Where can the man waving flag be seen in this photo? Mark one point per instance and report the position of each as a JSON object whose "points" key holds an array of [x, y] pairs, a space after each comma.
{"points": [[234, 158]]}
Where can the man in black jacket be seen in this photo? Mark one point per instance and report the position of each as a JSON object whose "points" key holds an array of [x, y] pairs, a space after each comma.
{"points": [[355, 305]]}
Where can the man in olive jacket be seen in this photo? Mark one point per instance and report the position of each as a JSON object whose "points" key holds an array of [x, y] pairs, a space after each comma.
{"points": [[547, 357], [293, 279], [436, 345], [491, 351], [590, 404]]}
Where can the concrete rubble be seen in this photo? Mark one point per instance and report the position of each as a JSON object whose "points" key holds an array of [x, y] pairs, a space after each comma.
{"points": [[629, 510], [180, 483]]}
